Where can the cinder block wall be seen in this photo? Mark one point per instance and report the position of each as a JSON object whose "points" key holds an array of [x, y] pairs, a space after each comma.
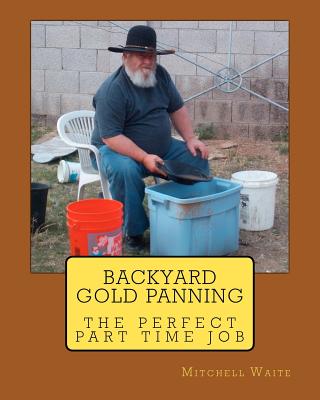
{"points": [[69, 60]]}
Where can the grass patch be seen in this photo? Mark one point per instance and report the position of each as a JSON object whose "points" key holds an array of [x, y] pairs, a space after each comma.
{"points": [[283, 148], [235, 162], [206, 132], [37, 132], [281, 137], [226, 136]]}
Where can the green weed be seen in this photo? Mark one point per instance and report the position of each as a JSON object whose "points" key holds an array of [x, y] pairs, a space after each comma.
{"points": [[283, 148], [281, 137], [206, 131], [37, 133]]}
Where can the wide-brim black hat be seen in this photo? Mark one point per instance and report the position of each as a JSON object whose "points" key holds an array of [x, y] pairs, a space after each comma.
{"points": [[142, 39]]}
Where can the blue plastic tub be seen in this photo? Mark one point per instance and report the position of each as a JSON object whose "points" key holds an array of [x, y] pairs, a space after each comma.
{"points": [[194, 220]]}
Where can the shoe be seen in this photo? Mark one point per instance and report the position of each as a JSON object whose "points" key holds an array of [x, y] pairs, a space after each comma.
{"points": [[135, 243]]}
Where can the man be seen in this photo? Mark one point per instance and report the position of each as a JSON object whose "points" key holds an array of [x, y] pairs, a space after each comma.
{"points": [[134, 107]]}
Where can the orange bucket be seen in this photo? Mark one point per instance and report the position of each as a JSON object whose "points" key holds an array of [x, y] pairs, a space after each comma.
{"points": [[95, 227]]}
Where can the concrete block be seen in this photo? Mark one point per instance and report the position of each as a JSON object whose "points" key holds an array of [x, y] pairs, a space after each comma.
{"points": [[270, 42], [128, 24], [74, 102], [255, 25], [85, 102], [198, 40], [180, 24], [79, 59], [103, 61], [37, 80], [190, 85], [38, 38], [242, 42], [281, 26], [47, 22], [62, 81], [51, 104], [168, 38], [279, 116], [91, 81], [118, 38], [225, 131], [118, 26], [280, 67], [261, 87], [214, 111], [115, 61], [239, 94], [267, 132], [63, 36], [190, 109], [81, 23], [190, 106], [154, 24], [243, 62], [37, 102], [174, 78], [51, 121], [280, 89], [42, 58], [238, 131], [94, 38], [213, 62], [274, 89], [216, 25], [179, 66], [231, 131], [105, 24], [250, 111]]}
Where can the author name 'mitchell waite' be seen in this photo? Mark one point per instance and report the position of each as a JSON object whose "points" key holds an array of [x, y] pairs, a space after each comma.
{"points": [[254, 371]]}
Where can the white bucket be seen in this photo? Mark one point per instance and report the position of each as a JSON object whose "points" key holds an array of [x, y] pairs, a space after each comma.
{"points": [[257, 199], [68, 171]]}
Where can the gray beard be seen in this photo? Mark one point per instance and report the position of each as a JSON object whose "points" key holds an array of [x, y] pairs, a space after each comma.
{"points": [[138, 79]]}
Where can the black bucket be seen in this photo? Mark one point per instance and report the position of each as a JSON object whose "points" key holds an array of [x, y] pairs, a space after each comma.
{"points": [[39, 193]]}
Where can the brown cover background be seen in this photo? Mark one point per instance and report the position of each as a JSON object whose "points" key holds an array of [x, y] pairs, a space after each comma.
{"points": [[35, 361]]}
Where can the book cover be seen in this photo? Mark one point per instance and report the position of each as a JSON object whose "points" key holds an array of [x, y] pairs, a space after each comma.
{"points": [[283, 360]]}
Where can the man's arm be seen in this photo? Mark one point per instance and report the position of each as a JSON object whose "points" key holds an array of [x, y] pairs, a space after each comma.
{"points": [[182, 123], [125, 146]]}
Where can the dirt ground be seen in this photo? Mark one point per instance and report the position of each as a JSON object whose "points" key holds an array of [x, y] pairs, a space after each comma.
{"points": [[269, 248]]}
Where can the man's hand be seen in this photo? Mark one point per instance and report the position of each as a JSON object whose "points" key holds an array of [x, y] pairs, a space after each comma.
{"points": [[195, 145], [123, 145], [150, 162]]}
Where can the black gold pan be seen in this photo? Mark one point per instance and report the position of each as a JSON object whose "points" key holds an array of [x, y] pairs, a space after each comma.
{"points": [[183, 173]]}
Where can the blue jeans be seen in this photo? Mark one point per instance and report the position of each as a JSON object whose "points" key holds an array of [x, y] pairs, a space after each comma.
{"points": [[125, 177]]}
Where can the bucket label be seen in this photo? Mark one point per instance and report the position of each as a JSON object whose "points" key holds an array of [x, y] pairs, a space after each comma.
{"points": [[244, 208], [74, 176], [105, 243]]}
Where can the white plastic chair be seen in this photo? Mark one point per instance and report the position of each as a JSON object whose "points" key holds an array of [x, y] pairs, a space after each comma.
{"points": [[75, 128]]}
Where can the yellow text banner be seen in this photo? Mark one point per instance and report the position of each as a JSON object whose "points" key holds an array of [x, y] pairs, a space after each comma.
{"points": [[159, 303]]}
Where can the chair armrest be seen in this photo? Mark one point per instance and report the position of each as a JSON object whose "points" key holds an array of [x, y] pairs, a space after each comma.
{"points": [[90, 147], [83, 146], [95, 150], [78, 145]]}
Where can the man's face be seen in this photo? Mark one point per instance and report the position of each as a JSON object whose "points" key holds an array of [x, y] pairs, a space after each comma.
{"points": [[143, 62]]}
